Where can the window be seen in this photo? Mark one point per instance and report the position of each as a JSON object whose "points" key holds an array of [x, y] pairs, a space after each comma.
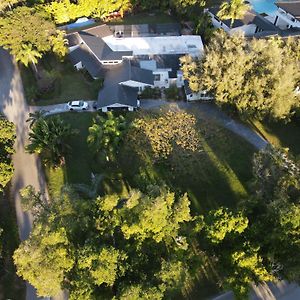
{"points": [[156, 77]]}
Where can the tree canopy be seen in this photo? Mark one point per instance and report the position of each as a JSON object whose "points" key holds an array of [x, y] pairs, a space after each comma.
{"points": [[256, 83], [28, 35], [112, 245], [7, 139]]}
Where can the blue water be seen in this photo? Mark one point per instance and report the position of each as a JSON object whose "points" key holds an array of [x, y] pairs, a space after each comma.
{"points": [[264, 6]]}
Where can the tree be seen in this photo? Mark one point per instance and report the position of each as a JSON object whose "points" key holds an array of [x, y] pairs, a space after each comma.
{"points": [[233, 9], [274, 209], [4, 4], [28, 56], [113, 246], [48, 137], [253, 85], [7, 139], [106, 134], [35, 116], [31, 39]]}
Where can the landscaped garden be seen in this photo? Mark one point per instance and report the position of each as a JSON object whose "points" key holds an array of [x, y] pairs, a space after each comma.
{"points": [[58, 82]]}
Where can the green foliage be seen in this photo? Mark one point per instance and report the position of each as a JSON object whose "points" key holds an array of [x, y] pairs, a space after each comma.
{"points": [[255, 84], [65, 11], [7, 139], [166, 134], [233, 9], [44, 259], [48, 137], [128, 247], [222, 222], [106, 134], [31, 39]]}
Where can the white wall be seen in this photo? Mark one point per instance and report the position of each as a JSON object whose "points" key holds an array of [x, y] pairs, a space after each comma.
{"points": [[198, 96], [79, 66], [117, 105], [73, 48], [248, 30], [285, 20], [164, 79]]}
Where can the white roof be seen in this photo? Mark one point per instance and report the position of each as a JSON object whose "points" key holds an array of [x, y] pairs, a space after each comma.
{"points": [[157, 45], [75, 103]]}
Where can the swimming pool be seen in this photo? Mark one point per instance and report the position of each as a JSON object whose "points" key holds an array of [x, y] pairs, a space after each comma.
{"points": [[264, 6]]}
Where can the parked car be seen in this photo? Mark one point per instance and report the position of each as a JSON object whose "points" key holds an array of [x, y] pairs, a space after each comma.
{"points": [[77, 105]]}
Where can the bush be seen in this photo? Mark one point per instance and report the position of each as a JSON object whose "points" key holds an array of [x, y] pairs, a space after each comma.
{"points": [[150, 93], [173, 93]]}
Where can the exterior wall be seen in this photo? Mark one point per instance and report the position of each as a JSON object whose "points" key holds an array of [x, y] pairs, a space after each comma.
{"points": [[285, 20], [164, 79], [117, 105], [110, 62], [248, 30], [198, 96], [179, 79], [79, 66], [136, 84], [217, 23]]}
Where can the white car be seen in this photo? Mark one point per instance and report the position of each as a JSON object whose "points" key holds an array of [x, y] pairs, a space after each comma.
{"points": [[77, 105]]}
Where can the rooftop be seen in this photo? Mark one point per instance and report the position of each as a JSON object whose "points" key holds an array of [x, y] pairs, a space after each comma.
{"points": [[290, 6], [184, 44]]}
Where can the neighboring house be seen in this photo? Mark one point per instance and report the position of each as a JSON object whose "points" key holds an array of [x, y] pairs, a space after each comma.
{"points": [[250, 24], [195, 96], [132, 57], [288, 14]]}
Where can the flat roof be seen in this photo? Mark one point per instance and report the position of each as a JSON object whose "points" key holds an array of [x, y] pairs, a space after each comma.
{"points": [[184, 44]]}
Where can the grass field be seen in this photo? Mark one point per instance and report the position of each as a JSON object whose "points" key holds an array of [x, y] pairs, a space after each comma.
{"points": [[69, 84], [280, 134], [218, 177]]}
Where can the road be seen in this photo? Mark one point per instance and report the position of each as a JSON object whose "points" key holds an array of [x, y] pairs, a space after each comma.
{"points": [[27, 166]]}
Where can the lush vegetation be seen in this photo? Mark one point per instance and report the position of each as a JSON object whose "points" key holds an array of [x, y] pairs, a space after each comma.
{"points": [[253, 85], [7, 139]]}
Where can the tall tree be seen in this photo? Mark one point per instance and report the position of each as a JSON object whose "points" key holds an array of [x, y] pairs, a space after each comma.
{"points": [[233, 9], [27, 34], [253, 85], [113, 246], [7, 139]]}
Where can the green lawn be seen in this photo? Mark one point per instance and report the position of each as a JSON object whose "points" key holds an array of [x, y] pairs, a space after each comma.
{"points": [[280, 134], [218, 176], [70, 84]]}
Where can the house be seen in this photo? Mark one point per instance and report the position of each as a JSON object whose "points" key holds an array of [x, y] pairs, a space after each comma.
{"points": [[195, 96], [130, 58], [288, 14], [250, 24]]}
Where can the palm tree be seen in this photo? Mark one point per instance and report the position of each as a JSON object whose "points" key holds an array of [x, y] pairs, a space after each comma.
{"points": [[28, 55], [35, 116], [105, 134], [234, 9], [48, 137]]}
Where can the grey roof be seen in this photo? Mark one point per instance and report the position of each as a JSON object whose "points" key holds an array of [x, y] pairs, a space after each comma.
{"points": [[73, 39], [147, 29], [100, 31], [101, 49], [290, 6], [117, 93], [89, 61], [126, 71], [164, 61], [251, 17], [290, 32]]}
